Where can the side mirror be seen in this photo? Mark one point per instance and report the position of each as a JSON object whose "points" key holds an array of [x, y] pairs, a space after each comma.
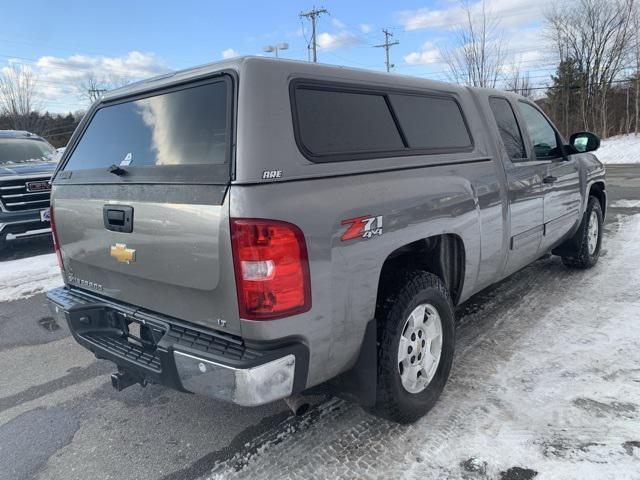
{"points": [[585, 141]]}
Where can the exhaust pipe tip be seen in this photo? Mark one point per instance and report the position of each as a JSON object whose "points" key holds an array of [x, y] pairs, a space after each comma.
{"points": [[300, 404]]}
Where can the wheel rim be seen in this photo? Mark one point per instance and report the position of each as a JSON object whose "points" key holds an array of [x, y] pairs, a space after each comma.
{"points": [[420, 348], [593, 232]]}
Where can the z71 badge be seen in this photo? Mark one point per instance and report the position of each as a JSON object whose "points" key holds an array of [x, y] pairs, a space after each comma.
{"points": [[362, 227]]}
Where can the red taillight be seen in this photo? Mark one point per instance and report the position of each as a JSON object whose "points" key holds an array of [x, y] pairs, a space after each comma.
{"points": [[56, 242], [272, 268]]}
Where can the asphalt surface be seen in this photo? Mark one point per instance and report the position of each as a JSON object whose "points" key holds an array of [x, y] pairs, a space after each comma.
{"points": [[61, 419]]}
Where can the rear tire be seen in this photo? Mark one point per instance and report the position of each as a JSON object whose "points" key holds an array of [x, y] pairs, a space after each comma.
{"points": [[589, 238], [416, 342]]}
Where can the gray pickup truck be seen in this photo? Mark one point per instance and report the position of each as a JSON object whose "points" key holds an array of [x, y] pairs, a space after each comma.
{"points": [[27, 162], [257, 229]]}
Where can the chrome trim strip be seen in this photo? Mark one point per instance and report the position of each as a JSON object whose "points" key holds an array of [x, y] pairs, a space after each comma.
{"points": [[18, 195], [13, 204], [28, 233], [33, 176], [2, 225]]}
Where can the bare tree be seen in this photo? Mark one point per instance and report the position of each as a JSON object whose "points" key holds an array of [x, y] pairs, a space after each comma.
{"points": [[519, 82], [91, 86], [478, 54], [19, 100], [596, 35], [636, 54]]}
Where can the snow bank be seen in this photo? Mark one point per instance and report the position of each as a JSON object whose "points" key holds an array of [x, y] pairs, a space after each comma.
{"points": [[28, 276], [620, 149], [626, 204]]}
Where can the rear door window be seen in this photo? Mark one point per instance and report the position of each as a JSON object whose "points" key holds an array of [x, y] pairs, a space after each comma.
{"points": [[333, 122], [431, 122], [508, 128], [186, 129]]}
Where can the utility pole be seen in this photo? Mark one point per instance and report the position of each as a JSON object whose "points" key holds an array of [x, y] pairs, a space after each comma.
{"points": [[387, 45], [312, 15]]}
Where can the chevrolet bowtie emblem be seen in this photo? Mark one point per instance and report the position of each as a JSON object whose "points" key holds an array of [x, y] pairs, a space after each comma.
{"points": [[122, 254]]}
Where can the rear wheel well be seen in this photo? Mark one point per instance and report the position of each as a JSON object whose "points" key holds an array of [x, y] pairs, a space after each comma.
{"points": [[442, 255], [597, 190]]}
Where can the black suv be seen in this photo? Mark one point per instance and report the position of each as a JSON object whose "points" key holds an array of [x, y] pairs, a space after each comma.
{"points": [[27, 162]]}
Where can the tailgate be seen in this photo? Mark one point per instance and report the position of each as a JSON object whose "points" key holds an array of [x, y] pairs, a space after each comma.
{"points": [[140, 204]]}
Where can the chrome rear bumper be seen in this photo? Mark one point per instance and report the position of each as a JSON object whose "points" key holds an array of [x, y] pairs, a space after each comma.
{"points": [[151, 348]]}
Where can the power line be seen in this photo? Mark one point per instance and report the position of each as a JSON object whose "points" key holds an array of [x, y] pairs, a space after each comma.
{"points": [[387, 45], [313, 15]]}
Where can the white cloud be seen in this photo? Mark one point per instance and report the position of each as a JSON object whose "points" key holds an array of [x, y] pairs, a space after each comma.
{"points": [[329, 41], [229, 53], [132, 65], [429, 54], [59, 78], [365, 28], [429, 18], [338, 23], [510, 13]]}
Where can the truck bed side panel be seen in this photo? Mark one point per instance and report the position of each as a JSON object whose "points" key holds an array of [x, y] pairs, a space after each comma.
{"points": [[414, 204]]}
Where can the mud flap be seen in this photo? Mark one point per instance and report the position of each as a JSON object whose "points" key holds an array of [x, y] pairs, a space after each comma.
{"points": [[572, 245], [359, 383]]}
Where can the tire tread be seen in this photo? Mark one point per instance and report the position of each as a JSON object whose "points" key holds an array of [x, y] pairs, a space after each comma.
{"points": [[401, 289]]}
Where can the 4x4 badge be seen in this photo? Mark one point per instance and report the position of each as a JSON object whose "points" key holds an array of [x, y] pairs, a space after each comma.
{"points": [[362, 227]]}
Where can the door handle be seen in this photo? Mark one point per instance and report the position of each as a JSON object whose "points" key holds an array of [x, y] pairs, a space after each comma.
{"points": [[549, 179]]}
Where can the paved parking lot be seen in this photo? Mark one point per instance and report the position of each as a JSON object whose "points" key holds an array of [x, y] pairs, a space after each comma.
{"points": [[545, 384]]}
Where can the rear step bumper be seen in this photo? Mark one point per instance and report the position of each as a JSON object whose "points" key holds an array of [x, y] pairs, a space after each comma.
{"points": [[152, 348]]}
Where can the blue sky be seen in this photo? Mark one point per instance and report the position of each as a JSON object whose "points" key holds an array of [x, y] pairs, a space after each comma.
{"points": [[62, 41]]}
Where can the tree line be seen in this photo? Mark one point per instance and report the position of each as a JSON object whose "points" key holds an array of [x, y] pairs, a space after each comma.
{"points": [[56, 128]]}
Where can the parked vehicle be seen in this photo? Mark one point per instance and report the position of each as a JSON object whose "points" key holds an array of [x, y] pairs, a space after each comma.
{"points": [[26, 165], [254, 228]]}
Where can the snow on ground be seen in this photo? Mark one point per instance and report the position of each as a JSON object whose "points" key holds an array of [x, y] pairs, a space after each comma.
{"points": [[620, 149], [545, 384], [28, 276], [626, 204]]}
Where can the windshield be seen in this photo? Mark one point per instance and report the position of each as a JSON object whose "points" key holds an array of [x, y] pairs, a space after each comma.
{"points": [[15, 151], [181, 128]]}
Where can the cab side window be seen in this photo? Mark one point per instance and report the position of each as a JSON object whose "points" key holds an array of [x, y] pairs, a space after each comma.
{"points": [[508, 128], [543, 136]]}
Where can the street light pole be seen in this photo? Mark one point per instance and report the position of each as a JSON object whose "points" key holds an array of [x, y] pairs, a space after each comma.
{"points": [[275, 48]]}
